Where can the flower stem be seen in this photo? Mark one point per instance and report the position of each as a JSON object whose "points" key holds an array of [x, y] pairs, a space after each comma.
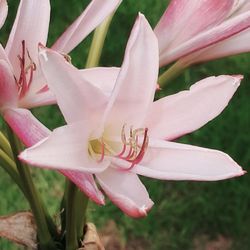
{"points": [[45, 239], [71, 235], [98, 42], [5, 145], [10, 167], [171, 73], [81, 204]]}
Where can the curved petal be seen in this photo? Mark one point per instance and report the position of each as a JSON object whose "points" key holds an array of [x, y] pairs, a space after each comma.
{"points": [[94, 14], [207, 38], [4, 56], [25, 126], [3, 12], [184, 19], [240, 6], [126, 191], [37, 100], [103, 78], [31, 25], [66, 81], [136, 83], [174, 161], [65, 149], [86, 184], [234, 45], [8, 87], [31, 131], [186, 111]]}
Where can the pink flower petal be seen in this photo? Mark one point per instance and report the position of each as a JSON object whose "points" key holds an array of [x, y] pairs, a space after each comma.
{"points": [[228, 28], [3, 12], [136, 82], [126, 191], [37, 100], [103, 78], [65, 149], [31, 25], [86, 184], [174, 161], [186, 111], [25, 125], [183, 20], [93, 15], [73, 93], [234, 45], [8, 88], [3, 56], [31, 131]]}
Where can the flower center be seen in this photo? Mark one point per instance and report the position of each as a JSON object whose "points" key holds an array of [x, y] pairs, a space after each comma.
{"points": [[26, 73], [133, 150]]}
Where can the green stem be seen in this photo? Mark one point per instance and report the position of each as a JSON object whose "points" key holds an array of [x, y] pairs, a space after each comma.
{"points": [[98, 42], [5, 145], [171, 73], [71, 235], [10, 167], [81, 206], [45, 239]]}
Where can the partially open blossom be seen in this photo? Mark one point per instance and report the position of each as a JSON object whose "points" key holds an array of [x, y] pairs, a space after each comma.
{"points": [[22, 84], [119, 136], [190, 26]]}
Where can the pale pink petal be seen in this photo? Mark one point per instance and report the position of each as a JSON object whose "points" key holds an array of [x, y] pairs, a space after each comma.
{"points": [[25, 126], [126, 191], [77, 98], [8, 88], [31, 25], [103, 78], [31, 131], [204, 39], [184, 19], [65, 149], [174, 161], [135, 87], [240, 6], [4, 56], [37, 100], [86, 184], [186, 111], [38, 93], [3, 12], [234, 45], [93, 15]]}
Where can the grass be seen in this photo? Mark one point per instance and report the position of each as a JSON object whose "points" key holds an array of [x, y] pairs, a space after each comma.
{"points": [[183, 210]]}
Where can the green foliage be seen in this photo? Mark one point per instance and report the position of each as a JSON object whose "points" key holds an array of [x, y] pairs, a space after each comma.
{"points": [[183, 210]]}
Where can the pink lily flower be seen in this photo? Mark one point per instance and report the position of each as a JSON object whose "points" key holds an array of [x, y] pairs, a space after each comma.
{"points": [[22, 84], [190, 26], [120, 136]]}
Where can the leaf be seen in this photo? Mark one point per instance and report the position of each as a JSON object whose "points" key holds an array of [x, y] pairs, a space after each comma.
{"points": [[91, 239], [19, 228]]}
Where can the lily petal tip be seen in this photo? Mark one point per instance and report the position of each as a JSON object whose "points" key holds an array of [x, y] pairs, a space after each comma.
{"points": [[23, 156], [239, 77]]}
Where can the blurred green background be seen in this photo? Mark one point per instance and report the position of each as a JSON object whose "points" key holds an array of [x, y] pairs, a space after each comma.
{"points": [[186, 215]]}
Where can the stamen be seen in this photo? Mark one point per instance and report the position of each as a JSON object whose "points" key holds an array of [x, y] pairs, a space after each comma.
{"points": [[102, 151], [22, 83], [133, 156]]}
